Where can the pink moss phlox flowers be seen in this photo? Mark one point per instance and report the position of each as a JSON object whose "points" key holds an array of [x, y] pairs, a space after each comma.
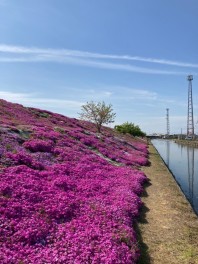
{"points": [[67, 194]]}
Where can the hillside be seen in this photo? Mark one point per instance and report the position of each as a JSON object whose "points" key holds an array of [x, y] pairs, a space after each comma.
{"points": [[67, 194]]}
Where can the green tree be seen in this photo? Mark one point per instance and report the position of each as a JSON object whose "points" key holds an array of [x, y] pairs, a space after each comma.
{"points": [[98, 113], [130, 128]]}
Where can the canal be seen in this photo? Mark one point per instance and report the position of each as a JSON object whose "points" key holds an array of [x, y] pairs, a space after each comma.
{"points": [[182, 161]]}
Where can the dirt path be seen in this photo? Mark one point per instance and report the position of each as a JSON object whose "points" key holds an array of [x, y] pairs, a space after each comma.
{"points": [[168, 228]]}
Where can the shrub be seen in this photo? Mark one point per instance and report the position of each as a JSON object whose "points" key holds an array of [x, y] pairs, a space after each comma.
{"points": [[130, 128]]}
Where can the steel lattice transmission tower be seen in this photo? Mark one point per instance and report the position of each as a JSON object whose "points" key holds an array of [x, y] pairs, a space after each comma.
{"points": [[167, 122], [190, 120]]}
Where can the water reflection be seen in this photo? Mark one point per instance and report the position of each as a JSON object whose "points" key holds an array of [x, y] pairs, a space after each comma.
{"points": [[180, 160], [191, 162], [167, 152]]}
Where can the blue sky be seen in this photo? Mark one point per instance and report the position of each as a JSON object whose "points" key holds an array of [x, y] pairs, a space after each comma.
{"points": [[134, 54]]}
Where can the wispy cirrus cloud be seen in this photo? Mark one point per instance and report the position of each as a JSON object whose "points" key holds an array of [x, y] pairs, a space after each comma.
{"points": [[129, 93], [85, 54], [10, 53], [143, 94], [35, 100]]}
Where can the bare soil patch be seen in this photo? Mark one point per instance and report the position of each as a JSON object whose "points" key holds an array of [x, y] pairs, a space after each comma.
{"points": [[168, 227]]}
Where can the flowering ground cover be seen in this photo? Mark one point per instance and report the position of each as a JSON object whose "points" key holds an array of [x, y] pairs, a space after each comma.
{"points": [[67, 194]]}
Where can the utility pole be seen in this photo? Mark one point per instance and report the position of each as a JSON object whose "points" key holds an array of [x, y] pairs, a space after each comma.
{"points": [[167, 123], [190, 120]]}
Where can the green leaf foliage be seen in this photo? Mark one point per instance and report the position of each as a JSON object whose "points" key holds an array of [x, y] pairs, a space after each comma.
{"points": [[130, 128]]}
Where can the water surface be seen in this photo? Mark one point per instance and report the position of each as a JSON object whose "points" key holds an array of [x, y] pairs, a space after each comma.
{"points": [[183, 163]]}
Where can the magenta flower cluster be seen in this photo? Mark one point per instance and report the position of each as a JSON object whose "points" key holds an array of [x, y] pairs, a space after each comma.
{"points": [[67, 195]]}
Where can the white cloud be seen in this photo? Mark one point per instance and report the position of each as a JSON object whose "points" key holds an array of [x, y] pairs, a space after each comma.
{"points": [[92, 63], [129, 93], [77, 53], [97, 60], [143, 94], [13, 96], [108, 94], [122, 67], [90, 94], [35, 101], [21, 59]]}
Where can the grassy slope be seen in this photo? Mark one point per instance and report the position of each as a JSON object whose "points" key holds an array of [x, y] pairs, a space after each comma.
{"points": [[169, 227]]}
